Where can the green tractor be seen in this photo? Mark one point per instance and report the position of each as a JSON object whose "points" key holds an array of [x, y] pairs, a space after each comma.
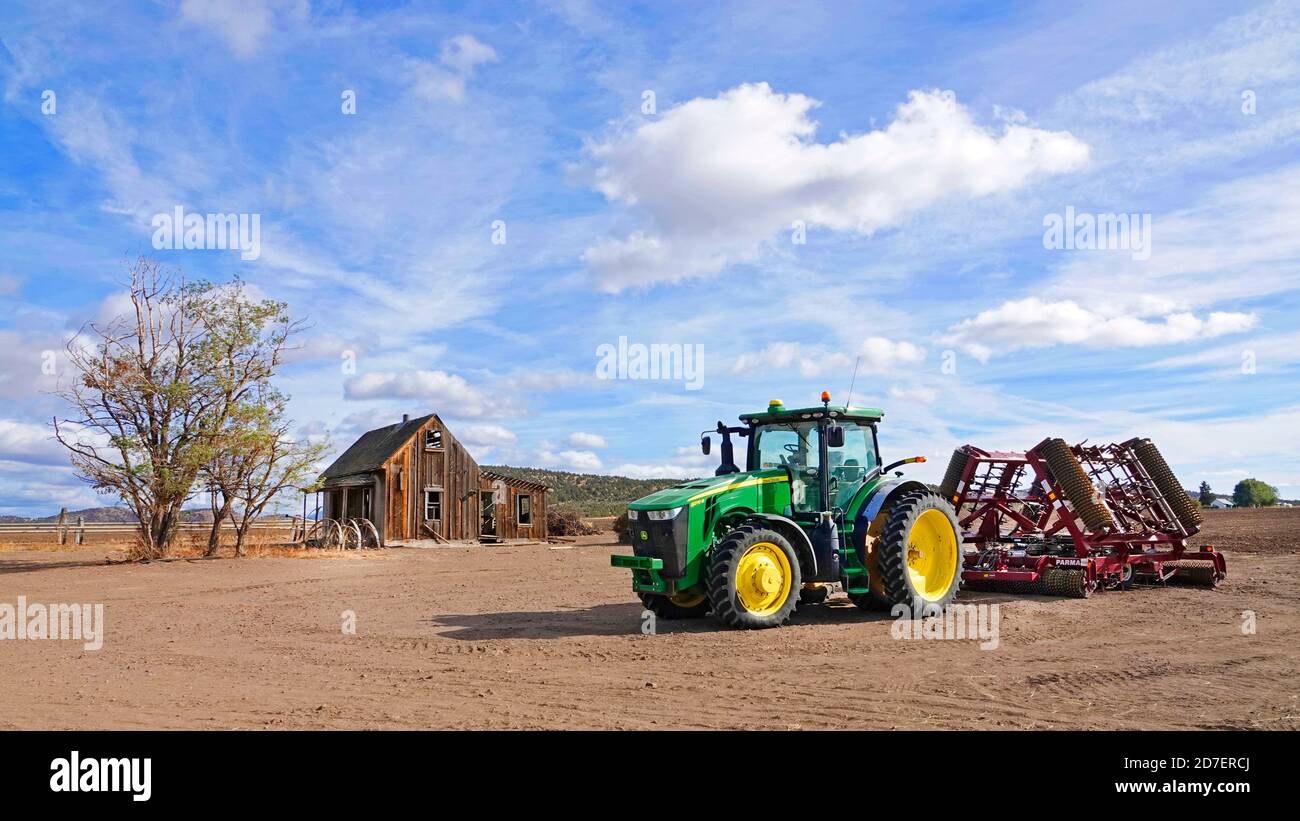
{"points": [[813, 507]]}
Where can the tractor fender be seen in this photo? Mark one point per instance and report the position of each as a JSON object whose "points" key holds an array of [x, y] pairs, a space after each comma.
{"points": [[790, 529], [881, 495]]}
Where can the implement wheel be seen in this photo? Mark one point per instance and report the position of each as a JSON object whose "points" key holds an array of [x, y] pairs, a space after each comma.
{"points": [[1072, 584], [918, 554], [754, 579], [952, 476], [681, 606], [1187, 511], [1076, 486]]}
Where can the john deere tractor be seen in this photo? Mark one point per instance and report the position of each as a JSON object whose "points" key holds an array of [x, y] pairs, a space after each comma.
{"points": [[814, 506]]}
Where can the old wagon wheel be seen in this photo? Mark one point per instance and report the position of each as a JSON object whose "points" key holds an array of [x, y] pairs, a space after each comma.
{"points": [[351, 535], [333, 538], [369, 534], [316, 533]]}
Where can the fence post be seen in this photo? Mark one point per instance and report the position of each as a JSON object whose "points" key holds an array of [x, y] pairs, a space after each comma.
{"points": [[63, 525], [81, 530]]}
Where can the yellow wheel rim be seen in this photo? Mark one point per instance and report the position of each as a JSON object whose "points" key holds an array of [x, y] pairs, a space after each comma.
{"points": [[763, 578], [932, 555], [687, 600]]}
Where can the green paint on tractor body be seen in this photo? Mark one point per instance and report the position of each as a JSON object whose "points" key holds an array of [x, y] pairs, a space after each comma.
{"points": [[797, 481]]}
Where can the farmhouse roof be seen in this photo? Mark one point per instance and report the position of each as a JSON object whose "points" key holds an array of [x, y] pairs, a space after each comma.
{"points": [[518, 481], [369, 453]]}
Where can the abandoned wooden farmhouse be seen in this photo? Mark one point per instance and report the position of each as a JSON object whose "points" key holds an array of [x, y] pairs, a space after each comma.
{"points": [[414, 481]]}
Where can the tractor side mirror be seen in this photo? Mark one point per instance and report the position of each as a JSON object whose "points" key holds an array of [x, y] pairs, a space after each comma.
{"points": [[706, 445], [835, 436]]}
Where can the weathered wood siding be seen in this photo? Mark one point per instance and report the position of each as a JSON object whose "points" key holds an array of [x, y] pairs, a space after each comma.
{"points": [[449, 469], [508, 526]]}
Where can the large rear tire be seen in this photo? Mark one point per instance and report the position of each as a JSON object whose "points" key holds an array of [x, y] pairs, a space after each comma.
{"points": [[754, 579], [919, 553]]}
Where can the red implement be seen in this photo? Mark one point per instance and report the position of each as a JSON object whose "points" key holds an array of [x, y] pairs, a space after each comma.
{"points": [[1067, 520]]}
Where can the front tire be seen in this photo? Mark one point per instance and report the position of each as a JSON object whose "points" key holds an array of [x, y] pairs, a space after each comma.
{"points": [[680, 606], [754, 579]]}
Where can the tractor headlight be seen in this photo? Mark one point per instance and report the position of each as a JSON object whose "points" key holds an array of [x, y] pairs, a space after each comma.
{"points": [[663, 515], [632, 514]]}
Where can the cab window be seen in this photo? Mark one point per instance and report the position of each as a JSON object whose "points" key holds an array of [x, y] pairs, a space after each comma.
{"points": [[849, 464], [794, 445]]}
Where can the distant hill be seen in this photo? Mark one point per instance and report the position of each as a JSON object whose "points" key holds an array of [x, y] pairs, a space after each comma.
{"points": [[103, 514], [591, 494]]}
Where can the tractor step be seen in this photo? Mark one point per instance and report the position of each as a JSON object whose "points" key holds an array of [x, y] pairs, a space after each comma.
{"points": [[637, 562]]}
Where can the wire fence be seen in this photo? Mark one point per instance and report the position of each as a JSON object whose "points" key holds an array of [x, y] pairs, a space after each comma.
{"points": [[75, 532]]}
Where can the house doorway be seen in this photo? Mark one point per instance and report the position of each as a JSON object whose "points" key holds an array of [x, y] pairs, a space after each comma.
{"points": [[487, 514], [358, 503]]}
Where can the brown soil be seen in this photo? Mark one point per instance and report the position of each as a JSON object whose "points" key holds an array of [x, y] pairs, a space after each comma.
{"points": [[539, 637]]}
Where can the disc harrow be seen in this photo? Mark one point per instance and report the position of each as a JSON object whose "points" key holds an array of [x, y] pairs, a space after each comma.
{"points": [[1069, 520]]}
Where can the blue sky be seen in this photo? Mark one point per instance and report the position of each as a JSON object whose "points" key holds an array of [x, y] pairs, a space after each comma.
{"points": [[652, 167]]}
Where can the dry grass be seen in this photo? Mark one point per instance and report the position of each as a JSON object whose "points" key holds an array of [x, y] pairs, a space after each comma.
{"points": [[189, 548], [55, 547]]}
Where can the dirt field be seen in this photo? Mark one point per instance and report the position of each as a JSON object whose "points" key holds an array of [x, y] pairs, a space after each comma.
{"points": [[537, 637]]}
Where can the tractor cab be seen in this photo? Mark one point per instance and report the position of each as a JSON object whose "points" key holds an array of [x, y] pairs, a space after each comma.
{"points": [[828, 452]]}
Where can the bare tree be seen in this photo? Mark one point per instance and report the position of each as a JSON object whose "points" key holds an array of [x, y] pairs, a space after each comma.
{"points": [[155, 388], [139, 429]]}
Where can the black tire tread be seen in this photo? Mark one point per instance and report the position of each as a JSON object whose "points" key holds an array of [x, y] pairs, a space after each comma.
{"points": [[1185, 510], [893, 551], [665, 608], [1075, 486], [1071, 584], [721, 598], [956, 467]]}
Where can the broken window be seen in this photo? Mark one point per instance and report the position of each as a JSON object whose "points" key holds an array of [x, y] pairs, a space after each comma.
{"points": [[432, 505], [525, 510], [433, 440]]}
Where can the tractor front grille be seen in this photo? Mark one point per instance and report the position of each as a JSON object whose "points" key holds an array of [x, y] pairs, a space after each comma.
{"points": [[664, 540]]}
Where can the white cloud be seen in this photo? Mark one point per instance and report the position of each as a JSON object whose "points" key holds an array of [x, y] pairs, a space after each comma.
{"points": [[446, 393], [31, 444], [465, 52], [659, 470], [582, 461], [242, 25], [23, 364], [485, 435], [719, 176], [877, 355], [1033, 323], [460, 56], [1266, 353], [914, 393], [586, 440]]}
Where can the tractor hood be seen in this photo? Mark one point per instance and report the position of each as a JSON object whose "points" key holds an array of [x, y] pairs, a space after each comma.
{"points": [[700, 489]]}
